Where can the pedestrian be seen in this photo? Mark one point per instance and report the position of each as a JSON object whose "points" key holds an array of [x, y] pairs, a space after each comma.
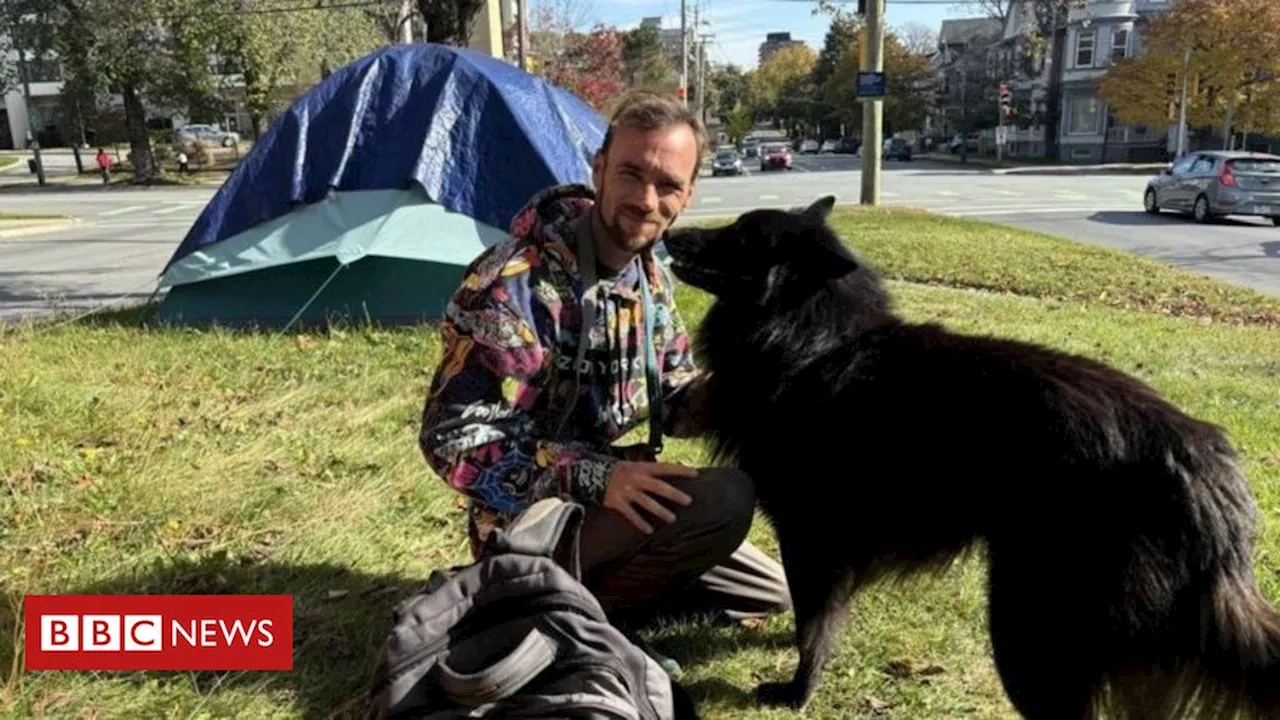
{"points": [[526, 404], [182, 162], [104, 165]]}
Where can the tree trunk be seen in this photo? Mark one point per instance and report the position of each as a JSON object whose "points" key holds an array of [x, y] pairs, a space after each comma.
{"points": [[1227, 134], [135, 124]]}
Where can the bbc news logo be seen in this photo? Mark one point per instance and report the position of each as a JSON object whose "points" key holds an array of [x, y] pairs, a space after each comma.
{"points": [[159, 632]]}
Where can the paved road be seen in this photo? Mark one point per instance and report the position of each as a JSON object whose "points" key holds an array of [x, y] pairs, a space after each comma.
{"points": [[127, 235]]}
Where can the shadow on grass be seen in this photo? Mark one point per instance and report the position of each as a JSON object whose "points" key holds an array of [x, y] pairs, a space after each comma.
{"points": [[342, 616]]}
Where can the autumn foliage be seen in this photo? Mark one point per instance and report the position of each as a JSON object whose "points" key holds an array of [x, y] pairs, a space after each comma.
{"points": [[1233, 70], [590, 65]]}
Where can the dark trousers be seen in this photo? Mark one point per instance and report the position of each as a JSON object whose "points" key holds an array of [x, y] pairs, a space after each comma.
{"points": [[699, 563]]}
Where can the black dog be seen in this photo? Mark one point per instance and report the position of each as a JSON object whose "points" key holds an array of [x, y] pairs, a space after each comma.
{"points": [[1118, 530]]}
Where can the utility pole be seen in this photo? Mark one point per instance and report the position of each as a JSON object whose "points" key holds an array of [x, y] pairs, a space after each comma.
{"points": [[522, 37], [1182, 106], [684, 53], [873, 109], [702, 75]]}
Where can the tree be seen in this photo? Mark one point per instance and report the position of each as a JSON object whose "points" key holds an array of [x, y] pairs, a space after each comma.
{"points": [[907, 93], [738, 123], [152, 53], [279, 49], [591, 66], [1234, 67], [918, 39], [647, 64], [731, 90], [781, 86]]}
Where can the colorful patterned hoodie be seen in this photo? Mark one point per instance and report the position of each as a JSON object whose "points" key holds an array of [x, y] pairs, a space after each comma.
{"points": [[510, 335]]}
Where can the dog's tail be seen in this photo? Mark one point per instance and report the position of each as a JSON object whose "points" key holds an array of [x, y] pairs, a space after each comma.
{"points": [[1241, 651]]}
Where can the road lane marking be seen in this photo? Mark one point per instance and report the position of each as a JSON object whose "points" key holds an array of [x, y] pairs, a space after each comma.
{"points": [[123, 210], [710, 200], [948, 193], [171, 209], [768, 197]]}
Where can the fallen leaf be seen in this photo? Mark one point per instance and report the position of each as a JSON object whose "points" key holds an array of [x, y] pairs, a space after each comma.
{"points": [[84, 482], [752, 623], [305, 342], [875, 704], [335, 594]]}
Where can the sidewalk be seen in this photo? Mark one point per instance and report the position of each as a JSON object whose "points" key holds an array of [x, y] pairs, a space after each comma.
{"points": [[1012, 167]]}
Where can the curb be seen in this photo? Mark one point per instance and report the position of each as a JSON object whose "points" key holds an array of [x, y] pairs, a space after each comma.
{"points": [[36, 227]]}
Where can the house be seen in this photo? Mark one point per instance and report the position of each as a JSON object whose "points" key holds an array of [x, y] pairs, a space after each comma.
{"points": [[1099, 33], [1024, 62], [966, 84]]}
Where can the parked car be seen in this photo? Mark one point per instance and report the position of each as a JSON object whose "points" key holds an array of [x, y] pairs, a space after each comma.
{"points": [[751, 147], [828, 146], [848, 145], [1212, 183], [809, 146], [775, 156], [897, 149], [726, 162], [208, 133]]}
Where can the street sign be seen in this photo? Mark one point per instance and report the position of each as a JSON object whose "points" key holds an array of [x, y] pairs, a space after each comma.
{"points": [[1002, 134], [870, 86]]}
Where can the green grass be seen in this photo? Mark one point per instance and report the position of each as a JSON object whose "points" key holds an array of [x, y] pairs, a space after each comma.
{"points": [[7, 160], [143, 459]]}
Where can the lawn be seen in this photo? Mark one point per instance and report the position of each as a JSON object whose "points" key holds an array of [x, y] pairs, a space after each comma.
{"points": [[136, 459]]}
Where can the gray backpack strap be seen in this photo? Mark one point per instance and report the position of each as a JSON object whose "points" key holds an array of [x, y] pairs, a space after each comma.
{"points": [[548, 528]]}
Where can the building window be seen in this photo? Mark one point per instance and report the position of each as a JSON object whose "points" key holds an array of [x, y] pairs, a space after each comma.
{"points": [[1083, 119], [1119, 44], [1084, 49]]}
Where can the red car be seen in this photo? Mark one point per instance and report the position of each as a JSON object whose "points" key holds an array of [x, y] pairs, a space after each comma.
{"points": [[775, 156]]}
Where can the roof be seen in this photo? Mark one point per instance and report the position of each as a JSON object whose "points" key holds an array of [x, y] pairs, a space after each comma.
{"points": [[966, 30]]}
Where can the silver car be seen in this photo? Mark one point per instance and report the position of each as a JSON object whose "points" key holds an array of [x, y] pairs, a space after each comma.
{"points": [[1213, 183]]}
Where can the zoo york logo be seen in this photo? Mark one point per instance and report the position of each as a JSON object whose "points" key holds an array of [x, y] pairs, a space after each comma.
{"points": [[159, 632]]}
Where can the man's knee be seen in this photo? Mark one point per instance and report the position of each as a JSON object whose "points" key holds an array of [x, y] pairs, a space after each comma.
{"points": [[723, 499]]}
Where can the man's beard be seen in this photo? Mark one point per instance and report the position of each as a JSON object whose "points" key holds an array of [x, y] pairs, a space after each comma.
{"points": [[618, 236]]}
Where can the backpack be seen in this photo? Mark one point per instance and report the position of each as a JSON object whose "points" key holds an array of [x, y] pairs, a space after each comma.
{"points": [[516, 635]]}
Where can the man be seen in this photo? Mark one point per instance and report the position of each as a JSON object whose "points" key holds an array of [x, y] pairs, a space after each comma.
{"points": [[501, 424]]}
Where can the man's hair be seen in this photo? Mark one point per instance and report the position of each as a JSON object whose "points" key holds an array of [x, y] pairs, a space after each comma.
{"points": [[647, 110]]}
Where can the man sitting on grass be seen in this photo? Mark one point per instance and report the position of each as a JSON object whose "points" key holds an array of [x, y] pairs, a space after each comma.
{"points": [[518, 410]]}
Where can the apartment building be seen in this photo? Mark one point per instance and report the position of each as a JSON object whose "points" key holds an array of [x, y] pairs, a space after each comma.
{"points": [[1098, 34]]}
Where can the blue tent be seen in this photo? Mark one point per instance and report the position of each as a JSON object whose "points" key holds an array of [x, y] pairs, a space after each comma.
{"points": [[370, 195]]}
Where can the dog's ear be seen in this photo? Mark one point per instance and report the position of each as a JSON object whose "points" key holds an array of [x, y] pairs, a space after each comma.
{"points": [[821, 207]]}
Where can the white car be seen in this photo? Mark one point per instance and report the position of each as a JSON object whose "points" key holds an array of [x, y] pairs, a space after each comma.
{"points": [[208, 133], [809, 146]]}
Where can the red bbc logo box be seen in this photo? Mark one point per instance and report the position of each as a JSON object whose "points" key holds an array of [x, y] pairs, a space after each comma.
{"points": [[159, 632]]}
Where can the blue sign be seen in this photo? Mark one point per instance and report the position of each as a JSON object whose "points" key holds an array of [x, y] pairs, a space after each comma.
{"points": [[870, 86]]}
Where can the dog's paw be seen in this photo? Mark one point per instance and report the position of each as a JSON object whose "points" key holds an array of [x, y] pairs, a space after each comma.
{"points": [[782, 694]]}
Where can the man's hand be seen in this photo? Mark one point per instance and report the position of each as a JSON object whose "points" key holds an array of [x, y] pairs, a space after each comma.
{"points": [[634, 484]]}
